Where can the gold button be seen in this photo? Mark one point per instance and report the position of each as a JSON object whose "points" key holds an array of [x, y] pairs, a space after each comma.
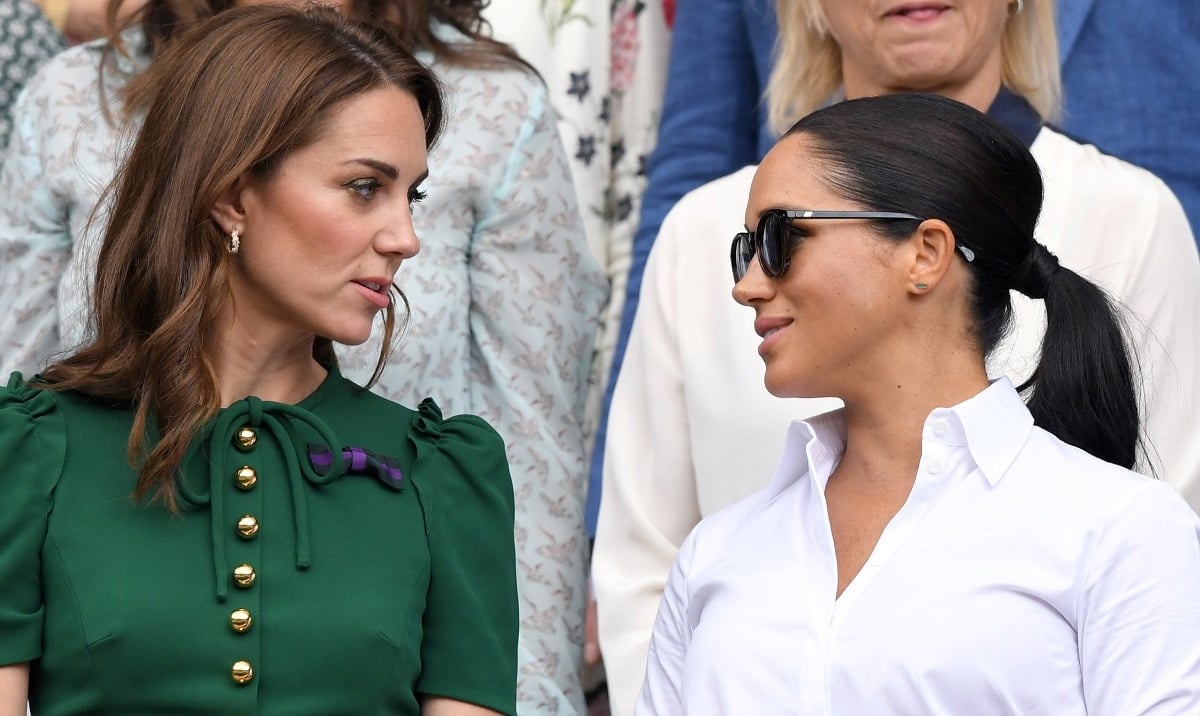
{"points": [[246, 477], [240, 620], [247, 527], [245, 438], [243, 575], [242, 672]]}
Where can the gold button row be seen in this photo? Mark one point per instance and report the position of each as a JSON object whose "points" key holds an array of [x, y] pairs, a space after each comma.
{"points": [[240, 620]]}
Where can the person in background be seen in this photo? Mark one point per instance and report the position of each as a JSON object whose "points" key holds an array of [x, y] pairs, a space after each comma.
{"points": [[937, 545], [29, 40], [714, 121], [1128, 81], [504, 306], [301, 545], [691, 359], [605, 64]]}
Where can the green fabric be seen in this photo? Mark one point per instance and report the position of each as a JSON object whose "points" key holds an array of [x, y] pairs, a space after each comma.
{"points": [[366, 597]]}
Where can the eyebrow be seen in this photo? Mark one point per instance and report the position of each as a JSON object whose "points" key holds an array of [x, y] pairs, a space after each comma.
{"points": [[382, 167], [422, 178]]}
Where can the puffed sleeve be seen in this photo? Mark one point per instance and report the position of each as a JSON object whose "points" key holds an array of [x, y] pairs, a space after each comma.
{"points": [[649, 502], [1139, 611], [35, 239], [469, 648], [32, 444]]}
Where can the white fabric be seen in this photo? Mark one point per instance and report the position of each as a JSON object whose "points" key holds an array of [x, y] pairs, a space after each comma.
{"points": [[692, 428], [1021, 576]]}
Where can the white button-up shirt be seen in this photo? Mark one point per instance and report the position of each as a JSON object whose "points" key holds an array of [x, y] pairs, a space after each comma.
{"points": [[1021, 576]]}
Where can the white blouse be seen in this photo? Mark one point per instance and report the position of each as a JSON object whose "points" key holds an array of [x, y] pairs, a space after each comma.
{"points": [[1021, 576]]}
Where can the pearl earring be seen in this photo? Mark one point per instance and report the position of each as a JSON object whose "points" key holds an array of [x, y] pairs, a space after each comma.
{"points": [[235, 241]]}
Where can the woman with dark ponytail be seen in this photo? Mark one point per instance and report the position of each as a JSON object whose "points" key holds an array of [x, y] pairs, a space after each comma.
{"points": [[938, 545]]}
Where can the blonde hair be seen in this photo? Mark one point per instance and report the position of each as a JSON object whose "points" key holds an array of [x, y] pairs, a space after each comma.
{"points": [[808, 65]]}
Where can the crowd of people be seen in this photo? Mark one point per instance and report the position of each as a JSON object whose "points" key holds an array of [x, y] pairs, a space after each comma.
{"points": [[384, 357]]}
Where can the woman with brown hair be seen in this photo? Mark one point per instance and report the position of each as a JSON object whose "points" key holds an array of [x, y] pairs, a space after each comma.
{"points": [[291, 543], [504, 305]]}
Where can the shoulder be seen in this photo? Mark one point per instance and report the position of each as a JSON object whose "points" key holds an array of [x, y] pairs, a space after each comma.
{"points": [[1093, 174], [697, 230], [1091, 493], [715, 207], [464, 444], [72, 76], [1105, 216], [33, 430], [740, 528], [503, 91], [461, 467], [718, 194]]}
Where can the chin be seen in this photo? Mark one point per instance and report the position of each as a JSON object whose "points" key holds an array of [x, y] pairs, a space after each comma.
{"points": [[350, 335], [792, 386]]}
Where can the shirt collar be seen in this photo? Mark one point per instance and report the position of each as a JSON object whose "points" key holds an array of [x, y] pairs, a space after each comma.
{"points": [[1017, 115], [993, 426]]}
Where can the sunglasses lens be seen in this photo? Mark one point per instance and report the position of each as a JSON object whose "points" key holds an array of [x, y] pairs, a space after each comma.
{"points": [[772, 230], [741, 255]]}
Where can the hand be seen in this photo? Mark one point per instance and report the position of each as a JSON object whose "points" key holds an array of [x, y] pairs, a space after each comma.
{"points": [[591, 638]]}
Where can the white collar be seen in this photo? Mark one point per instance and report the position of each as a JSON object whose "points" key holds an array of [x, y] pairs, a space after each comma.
{"points": [[993, 425]]}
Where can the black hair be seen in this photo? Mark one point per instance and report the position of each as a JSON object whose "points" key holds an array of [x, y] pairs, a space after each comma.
{"points": [[937, 158]]}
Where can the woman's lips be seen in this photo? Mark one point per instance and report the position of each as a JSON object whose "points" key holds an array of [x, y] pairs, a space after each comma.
{"points": [[917, 12], [771, 330], [375, 290]]}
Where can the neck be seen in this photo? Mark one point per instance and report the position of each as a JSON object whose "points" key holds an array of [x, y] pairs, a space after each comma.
{"points": [[275, 367], [978, 91], [885, 420]]}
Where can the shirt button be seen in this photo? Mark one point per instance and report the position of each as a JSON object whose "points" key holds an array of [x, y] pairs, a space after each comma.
{"points": [[245, 438], [240, 620], [934, 466], [940, 428], [246, 477], [247, 527], [242, 671], [244, 576]]}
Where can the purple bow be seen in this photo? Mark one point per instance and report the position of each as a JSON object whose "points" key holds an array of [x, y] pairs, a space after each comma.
{"points": [[359, 461]]}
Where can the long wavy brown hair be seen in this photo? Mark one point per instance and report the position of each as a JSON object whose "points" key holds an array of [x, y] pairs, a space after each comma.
{"points": [[409, 22], [233, 98]]}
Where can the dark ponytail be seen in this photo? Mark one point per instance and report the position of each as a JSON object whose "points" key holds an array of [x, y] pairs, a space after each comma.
{"points": [[936, 158], [1083, 388]]}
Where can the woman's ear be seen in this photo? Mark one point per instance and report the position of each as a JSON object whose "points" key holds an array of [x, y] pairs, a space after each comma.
{"points": [[932, 255], [228, 211]]}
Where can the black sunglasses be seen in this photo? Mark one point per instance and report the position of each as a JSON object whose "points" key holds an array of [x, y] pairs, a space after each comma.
{"points": [[775, 239]]}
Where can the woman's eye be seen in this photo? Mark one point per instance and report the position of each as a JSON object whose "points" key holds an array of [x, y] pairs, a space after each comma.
{"points": [[364, 188], [415, 196]]}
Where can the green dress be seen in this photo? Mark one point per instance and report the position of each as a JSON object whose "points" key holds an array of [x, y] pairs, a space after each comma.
{"points": [[310, 571]]}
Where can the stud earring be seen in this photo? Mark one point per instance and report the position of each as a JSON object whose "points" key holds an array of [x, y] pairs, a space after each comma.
{"points": [[235, 241], [922, 286]]}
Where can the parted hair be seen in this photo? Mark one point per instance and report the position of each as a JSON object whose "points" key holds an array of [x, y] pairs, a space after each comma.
{"points": [[808, 67], [936, 158], [232, 99]]}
